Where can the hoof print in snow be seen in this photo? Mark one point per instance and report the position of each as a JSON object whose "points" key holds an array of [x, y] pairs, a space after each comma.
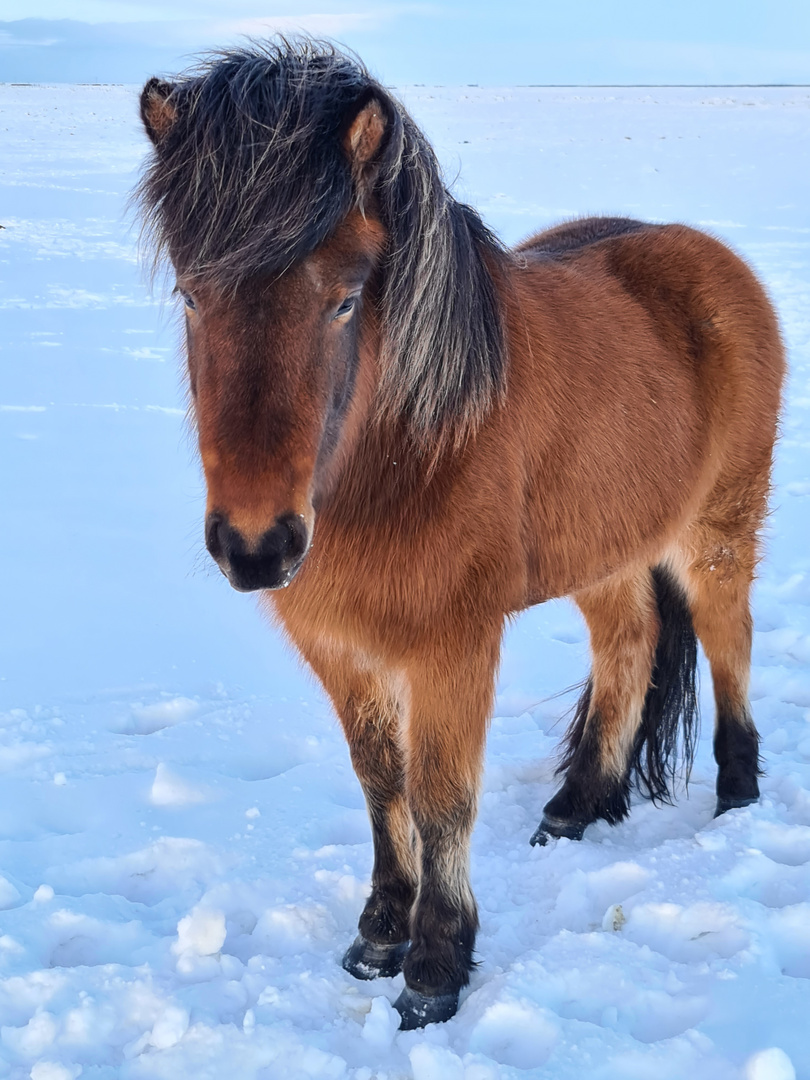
{"points": [[553, 828], [368, 960], [418, 1010]]}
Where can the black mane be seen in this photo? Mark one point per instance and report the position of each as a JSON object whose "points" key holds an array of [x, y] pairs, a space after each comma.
{"points": [[251, 176]]}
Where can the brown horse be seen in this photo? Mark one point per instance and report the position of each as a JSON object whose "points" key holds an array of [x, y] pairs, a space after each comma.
{"points": [[410, 433]]}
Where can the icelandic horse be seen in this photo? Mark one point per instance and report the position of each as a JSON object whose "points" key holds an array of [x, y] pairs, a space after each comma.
{"points": [[409, 433]]}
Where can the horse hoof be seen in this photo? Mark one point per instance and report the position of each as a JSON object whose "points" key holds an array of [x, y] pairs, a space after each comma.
{"points": [[555, 827], [368, 960], [725, 803], [418, 1010]]}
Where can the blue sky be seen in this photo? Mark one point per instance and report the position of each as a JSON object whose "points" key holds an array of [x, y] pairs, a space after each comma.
{"points": [[545, 41]]}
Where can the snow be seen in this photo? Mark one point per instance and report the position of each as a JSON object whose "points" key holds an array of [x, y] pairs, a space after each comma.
{"points": [[201, 933], [771, 1064], [184, 849]]}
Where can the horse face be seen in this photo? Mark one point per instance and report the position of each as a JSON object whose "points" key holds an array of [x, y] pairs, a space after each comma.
{"points": [[279, 388]]}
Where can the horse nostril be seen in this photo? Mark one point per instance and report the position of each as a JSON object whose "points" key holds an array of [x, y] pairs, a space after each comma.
{"points": [[215, 526], [297, 535], [287, 540]]}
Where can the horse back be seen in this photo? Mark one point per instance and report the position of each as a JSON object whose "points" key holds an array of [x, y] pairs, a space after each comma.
{"points": [[692, 304], [647, 363]]}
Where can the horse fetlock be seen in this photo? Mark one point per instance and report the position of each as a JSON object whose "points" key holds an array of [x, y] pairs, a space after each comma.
{"points": [[439, 962], [737, 779], [736, 750], [371, 960], [737, 785], [387, 915], [562, 817], [586, 796]]}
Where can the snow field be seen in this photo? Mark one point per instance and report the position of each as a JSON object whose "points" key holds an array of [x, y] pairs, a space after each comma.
{"points": [[184, 849]]}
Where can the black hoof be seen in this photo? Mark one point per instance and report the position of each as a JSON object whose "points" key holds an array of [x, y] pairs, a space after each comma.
{"points": [[418, 1010], [367, 960], [725, 803], [551, 826]]}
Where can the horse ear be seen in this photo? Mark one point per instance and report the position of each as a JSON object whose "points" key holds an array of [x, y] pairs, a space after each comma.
{"points": [[158, 111], [362, 144]]}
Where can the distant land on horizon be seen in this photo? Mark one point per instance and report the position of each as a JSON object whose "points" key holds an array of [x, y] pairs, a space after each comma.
{"points": [[430, 47]]}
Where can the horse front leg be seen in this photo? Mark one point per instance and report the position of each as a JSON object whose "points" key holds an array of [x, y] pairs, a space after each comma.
{"points": [[449, 697], [370, 715]]}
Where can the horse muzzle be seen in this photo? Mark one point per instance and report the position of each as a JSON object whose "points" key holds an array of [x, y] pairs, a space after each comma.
{"points": [[271, 562]]}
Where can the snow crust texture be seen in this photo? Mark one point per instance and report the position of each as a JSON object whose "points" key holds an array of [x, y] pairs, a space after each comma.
{"points": [[184, 849]]}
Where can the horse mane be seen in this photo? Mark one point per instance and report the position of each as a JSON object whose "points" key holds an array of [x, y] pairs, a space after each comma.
{"points": [[252, 176]]}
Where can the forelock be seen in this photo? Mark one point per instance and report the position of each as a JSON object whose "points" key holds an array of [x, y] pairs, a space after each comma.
{"points": [[252, 175]]}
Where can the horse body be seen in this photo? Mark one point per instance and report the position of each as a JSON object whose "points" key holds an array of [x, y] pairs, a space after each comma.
{"points": [[588, 466], [594, 418]]}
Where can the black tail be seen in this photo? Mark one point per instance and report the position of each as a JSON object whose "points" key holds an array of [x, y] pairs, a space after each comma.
{"points": [[666, 739], [671, 705]]}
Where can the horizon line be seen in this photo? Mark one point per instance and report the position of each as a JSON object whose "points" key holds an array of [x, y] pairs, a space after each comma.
{"points": [[517, 86]]}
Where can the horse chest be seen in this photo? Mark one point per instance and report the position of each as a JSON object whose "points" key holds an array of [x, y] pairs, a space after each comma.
{"points": [[367, 599]]}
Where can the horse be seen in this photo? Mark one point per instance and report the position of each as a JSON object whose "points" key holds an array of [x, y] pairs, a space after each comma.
{"points": [[409, 433]]}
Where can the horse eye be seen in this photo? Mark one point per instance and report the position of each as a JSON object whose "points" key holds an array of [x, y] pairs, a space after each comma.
{"points": [[346, 307], [188, 300]]}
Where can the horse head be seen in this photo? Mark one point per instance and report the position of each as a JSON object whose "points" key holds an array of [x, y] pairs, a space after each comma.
{"points": [[280, 369]]}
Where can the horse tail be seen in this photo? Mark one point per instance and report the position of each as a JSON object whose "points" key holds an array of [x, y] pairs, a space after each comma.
{"points": [[666, 739]]}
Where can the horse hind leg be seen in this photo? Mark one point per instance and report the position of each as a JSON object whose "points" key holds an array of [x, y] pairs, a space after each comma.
{"points": [[620, 614], [640, 696], [718, 576]]}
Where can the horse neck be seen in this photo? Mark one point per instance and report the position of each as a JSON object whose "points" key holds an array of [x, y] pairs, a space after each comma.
{"points": [[392, 467], [387, 477]]}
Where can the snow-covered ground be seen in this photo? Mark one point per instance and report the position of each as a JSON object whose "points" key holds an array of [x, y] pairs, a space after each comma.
{"points": [[183, 845]]}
